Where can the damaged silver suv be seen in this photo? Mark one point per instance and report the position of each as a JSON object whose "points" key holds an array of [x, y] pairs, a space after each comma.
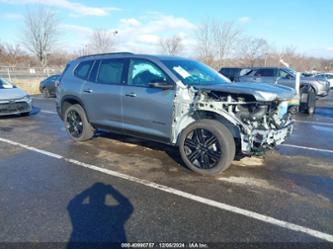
{"points": [[175, 101]]}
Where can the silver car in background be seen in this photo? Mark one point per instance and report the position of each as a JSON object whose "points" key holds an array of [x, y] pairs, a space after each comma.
{"points": [[325, 76], [13, 100]]}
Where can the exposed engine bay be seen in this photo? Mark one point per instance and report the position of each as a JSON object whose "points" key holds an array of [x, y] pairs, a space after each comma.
{"points": [[257, 125]]}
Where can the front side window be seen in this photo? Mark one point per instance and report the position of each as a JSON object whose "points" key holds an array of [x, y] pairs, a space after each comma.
{"points": [[195, 73], [111, 71], [286, 74], [265, 73], [142, 72], [321, 77], [83, 69]]}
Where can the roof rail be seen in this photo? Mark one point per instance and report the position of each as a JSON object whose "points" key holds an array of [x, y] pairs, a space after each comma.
{"points": [[104, 54]]}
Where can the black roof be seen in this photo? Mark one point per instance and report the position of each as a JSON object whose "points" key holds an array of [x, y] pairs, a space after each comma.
{"points": [[160, 57], [104, 54]]}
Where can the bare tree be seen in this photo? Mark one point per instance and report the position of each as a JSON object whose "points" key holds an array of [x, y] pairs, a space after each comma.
{"points": [[15, 55], [40, 32], [226, 37], [102, 41], [172, 45], [216, 41], [204, 47], [254, 51]]}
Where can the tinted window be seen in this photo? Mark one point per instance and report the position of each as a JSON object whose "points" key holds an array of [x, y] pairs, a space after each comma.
{"points": [[321, 76], [82, 70], [94, 70], [142, 72], [110, 71], [54, 77], [265, 72], [285, 74]]}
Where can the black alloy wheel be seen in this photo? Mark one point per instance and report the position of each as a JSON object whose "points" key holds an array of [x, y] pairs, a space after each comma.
{"points": [[74, 123], [202, 149], [207, 147]]}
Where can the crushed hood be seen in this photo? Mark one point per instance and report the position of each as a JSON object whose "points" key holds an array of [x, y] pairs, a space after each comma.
{"points": [[11, 93], [261, 91]]}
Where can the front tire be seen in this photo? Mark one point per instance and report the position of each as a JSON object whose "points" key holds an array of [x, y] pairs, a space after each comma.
{"points": [[77, 125], [207, 147]]}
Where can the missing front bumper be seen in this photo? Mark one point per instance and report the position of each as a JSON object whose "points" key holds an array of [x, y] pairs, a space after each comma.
{"points": [[262, 140]]}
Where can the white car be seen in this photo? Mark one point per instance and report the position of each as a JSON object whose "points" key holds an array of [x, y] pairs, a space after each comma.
{"points": [[326, 76], [13, 100]]}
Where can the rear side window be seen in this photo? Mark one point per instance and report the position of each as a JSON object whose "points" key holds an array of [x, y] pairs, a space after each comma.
{"points": [[111, 71], [83, 69], [265, 73]]}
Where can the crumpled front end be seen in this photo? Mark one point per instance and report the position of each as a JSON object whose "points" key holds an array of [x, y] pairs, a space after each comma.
{"points": [[270, 129], [256, 125]]}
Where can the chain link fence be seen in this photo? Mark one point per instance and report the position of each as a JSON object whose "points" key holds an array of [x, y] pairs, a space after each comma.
{"points": [[28, 78], [16, 73]]}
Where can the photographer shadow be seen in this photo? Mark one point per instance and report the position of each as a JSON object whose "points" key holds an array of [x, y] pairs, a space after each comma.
{"points": [[96, 223]]}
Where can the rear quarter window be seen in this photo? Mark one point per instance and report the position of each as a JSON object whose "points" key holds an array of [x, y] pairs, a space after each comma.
{"points": [[83, 69]]}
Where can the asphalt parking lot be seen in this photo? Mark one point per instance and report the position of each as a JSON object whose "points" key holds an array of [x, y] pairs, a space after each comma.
{"points": [[116, 188]]}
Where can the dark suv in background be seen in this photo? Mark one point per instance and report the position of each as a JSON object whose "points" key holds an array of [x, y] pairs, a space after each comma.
{"points": [[48, 86], [176, 101]]}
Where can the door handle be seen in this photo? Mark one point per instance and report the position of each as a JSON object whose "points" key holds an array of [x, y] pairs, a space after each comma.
{"points": [[130, 95], [88, 91]]}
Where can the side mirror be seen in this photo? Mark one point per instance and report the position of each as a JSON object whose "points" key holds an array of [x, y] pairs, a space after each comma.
{"points": [[161, 85], [277, 80]]}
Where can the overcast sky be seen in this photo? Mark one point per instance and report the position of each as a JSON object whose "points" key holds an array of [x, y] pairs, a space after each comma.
{"points": [[304, 24]]}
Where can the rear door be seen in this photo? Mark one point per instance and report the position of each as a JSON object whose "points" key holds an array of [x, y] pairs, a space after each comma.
{"points": [[147, 110], [101, 93]]}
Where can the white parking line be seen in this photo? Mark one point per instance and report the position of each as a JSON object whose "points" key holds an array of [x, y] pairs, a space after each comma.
{"points": [[314, 122], [48, 112], [209, 202], [306, 148]]}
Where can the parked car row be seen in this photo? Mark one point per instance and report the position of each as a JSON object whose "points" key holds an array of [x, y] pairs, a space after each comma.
{"points": [[310, 87]]}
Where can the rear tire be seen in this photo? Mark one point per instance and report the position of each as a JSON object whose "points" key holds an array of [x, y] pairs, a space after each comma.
{"points": [[77, 125], [207, 147], [46, 93], [308, 107], [312, 98]]}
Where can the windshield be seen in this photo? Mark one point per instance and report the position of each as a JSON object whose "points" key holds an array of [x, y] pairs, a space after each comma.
{"points": [[195, 73], [4, 84]]}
